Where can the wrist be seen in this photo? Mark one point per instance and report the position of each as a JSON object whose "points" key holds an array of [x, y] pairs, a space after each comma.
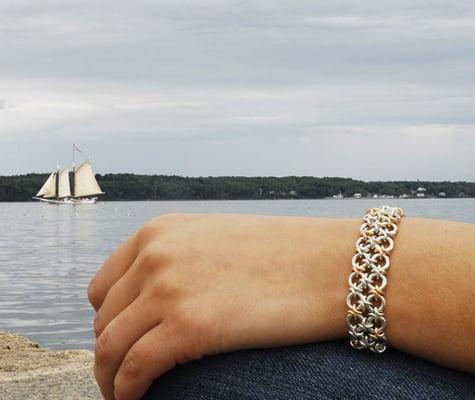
{"points": [[331, 248]]}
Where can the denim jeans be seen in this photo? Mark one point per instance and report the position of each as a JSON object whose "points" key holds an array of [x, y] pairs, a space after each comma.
{"points": [[330, 370]]}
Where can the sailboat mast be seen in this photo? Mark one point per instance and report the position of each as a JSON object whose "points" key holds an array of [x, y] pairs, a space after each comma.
{"points": [[56, 188], [73, 178]]}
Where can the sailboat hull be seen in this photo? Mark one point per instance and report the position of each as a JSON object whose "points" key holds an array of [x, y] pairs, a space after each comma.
{"points": [[91, 200]]}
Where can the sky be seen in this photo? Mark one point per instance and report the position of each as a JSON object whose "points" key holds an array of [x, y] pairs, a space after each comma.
{"points": [[373, 90]]}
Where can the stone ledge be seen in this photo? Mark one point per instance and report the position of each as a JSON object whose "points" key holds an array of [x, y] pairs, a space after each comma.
{"points": [[28, 371]]}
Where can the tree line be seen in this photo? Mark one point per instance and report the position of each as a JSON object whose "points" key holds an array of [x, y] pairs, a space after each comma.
{"points": [[172, 187]]}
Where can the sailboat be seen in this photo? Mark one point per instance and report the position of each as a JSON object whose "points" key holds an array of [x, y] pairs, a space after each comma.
{"points": [[57, 188]]}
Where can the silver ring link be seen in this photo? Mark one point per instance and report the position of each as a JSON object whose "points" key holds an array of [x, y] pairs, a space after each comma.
{"points": [[365, 318]]}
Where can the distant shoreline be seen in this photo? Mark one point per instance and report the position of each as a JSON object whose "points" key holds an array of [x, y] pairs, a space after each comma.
{"points": [[132, 187]]}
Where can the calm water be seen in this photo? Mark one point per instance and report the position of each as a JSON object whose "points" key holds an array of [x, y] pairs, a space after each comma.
{"points": [[48, 253]]}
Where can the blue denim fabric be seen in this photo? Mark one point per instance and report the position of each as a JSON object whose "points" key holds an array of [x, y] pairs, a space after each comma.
{"points": [[330, 370]]}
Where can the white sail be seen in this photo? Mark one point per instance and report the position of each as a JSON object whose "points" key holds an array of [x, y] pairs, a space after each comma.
{"points": [[49, 188], [85, 183], [64, 190]]}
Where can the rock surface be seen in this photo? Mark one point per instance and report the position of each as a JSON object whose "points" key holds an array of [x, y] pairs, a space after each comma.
{"points": [[28, 371]]}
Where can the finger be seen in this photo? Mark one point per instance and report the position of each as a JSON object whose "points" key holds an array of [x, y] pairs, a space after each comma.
{"points": [[118, 298], [118, 337], [129, 286], [112, 270], [158, 351]]}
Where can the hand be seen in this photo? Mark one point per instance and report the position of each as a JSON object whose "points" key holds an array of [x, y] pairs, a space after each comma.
{"points": [[186, 286]]}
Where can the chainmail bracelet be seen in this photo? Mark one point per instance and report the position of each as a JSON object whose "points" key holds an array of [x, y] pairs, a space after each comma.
{"points": [[365, 301]]}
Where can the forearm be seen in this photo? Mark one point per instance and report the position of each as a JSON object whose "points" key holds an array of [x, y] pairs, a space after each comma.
{"points": [[431, 289], [188, 285]]}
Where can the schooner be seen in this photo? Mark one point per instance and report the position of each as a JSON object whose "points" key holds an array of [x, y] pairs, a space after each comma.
{"points": [[58, 190]]}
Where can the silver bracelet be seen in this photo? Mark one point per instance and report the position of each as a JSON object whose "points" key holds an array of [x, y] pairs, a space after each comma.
{"points": [[365, 319]]}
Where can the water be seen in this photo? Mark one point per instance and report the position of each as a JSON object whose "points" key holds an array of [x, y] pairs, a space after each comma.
{"points": [[48, 253]]}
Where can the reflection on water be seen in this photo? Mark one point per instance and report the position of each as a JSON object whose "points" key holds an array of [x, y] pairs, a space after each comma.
{"points": [[48, 252]]}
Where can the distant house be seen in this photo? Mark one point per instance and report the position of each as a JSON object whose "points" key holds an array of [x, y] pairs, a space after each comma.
{"points": [[442, 194], [293, 193], [421, 192], [357, 196]]}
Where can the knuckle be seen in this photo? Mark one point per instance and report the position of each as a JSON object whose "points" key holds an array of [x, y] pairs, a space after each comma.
{"points": [[175, 218], [149, 231], [151, 259], [93, 293], [172, 217], [154, 222], [131, 366], [98, 325], [103, 349], [165, 292], [146, 233]]}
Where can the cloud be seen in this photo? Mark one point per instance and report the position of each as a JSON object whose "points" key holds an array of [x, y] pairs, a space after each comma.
{"points": [[223, 82]]}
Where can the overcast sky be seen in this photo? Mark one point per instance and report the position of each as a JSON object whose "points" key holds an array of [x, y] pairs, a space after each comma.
{"points": [[373, 90]]}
